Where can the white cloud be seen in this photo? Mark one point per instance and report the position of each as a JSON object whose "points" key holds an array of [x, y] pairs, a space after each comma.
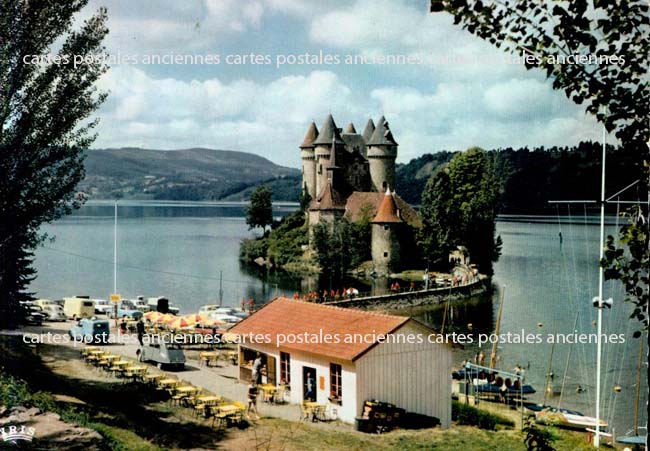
{"points": [[267, 119]]}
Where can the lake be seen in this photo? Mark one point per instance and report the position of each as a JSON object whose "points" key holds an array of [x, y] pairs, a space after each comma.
{"points": [[186, 251]]}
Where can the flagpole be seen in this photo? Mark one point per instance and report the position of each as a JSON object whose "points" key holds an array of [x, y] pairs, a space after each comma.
{"points": [[600, 293], [115, 250]]}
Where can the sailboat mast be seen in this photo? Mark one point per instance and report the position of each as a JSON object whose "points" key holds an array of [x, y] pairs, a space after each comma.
{"points": [[115, 250], [599, 345], [638, 388], [493, 356]]}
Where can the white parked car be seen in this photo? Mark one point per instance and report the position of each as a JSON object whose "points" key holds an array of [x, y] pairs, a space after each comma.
{"points": [[54, 312], [102, 306]]}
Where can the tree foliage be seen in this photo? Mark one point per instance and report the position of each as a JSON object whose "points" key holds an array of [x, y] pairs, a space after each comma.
{"points": [[341, 246], [44, 127], [545, 34], [630, 263], [260, 211], [434, 237], [537, 439], [459, 208]]}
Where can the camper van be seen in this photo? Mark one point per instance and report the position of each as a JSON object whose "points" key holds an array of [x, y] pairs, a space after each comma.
{"points": [[79, 307]]}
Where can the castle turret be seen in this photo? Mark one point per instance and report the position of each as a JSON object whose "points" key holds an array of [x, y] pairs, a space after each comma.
{"points": [[385, 236], [368, 131], [382, 152], [349, 129], [309, 161], [329, 136]]}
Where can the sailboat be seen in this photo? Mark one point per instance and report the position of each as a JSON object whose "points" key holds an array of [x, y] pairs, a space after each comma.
{"points": [[636, 438]]}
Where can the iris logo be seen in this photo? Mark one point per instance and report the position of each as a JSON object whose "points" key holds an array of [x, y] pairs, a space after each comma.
{"points": [[12, 434]]}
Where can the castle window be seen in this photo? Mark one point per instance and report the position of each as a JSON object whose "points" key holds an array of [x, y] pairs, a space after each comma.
{"points": [[320, 168], [384, 185], [385, 227], [385, 254]]}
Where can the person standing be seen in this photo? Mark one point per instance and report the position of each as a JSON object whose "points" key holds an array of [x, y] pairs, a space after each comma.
{"points": [[252, 401], [310, 385], [257, 369], [139, 327]]}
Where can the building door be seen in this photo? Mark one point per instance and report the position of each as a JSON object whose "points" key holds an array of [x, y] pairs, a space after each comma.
{"points": [[308, 383], [270, 370]]}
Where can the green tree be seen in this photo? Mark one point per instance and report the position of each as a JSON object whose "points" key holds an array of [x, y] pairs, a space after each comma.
{"points": [[45, 129], [329, 239], [260, 211], [545, 34], [459, 207], [630, 263], [435, 211], [473, 210]]}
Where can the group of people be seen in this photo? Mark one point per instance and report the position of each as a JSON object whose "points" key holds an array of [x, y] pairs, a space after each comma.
{"points": [[250, 303], [327, 295], [139, 328]]}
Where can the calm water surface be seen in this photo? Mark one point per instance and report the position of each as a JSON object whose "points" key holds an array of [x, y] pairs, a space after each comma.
{"points": [[183, 250]]}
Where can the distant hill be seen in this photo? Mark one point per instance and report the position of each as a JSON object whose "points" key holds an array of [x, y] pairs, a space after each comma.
{"points": [[187, 174], [529, 178]]}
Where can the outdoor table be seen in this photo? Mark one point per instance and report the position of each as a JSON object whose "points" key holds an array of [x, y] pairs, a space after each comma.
{"points": [[209, 400], [315, 409], [268, 390], [168, 382], [152, 378], [189, 389], [88, 349], [209, 356], [112, 357]]}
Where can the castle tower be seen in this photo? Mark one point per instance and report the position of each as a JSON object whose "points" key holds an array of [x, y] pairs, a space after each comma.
{"points": [[369, 130], [385, 236], [382, 151], [328, 137], [309, 161]]}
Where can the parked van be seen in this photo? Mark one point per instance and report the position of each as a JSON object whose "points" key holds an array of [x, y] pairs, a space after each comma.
{"points": [[91, 330], [79, 307]]}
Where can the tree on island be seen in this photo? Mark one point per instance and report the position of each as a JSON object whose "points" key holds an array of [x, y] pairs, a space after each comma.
{"points": [[260, 211], [459, 207], [45, 105], [615, 90]]}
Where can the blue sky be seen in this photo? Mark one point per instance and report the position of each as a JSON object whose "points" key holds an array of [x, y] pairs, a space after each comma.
{"points": [[266, 110]]}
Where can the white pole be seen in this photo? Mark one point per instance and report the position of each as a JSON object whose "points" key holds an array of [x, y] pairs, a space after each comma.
{"points": [[600, 293], [115, 251]]}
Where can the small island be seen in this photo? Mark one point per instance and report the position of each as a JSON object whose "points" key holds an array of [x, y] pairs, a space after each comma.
{"points": [[352, 222]]}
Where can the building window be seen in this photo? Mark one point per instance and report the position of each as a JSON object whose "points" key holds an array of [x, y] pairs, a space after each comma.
{"points": [[385, 254], [336, 383], [285, 368], [385, 227], [320, 168]]}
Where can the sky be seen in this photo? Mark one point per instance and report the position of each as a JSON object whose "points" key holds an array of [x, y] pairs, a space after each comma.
{"points": [[456, 91]]}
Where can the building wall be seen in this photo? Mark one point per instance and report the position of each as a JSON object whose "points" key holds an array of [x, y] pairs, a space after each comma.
{"points": [[348, 408], [382, 167], [415, 377], [322, 161], [385, 248], [309, 171]]}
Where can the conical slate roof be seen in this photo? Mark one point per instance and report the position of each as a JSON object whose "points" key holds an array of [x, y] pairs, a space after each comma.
{"points": [[350, 129], [328, 199], [382, 135], [332, 161], [310, 136], [328, 133], [387, 211], [369, 130]]}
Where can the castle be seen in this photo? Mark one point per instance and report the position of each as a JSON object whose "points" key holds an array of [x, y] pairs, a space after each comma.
{"points": [[351, 175]]}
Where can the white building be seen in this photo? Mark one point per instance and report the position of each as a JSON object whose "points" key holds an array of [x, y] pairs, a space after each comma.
{"points": [[350, 355]]}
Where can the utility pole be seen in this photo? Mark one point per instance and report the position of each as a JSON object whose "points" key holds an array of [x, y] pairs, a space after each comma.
{"points": [[220, 288]]}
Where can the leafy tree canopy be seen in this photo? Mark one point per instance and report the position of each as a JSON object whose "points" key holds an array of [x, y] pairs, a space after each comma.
{"points": [[260, 211], [45, 104]]}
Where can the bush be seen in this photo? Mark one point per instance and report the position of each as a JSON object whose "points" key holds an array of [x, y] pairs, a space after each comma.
{"points": [[13, 392], [249, 250], [471, 416]]}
